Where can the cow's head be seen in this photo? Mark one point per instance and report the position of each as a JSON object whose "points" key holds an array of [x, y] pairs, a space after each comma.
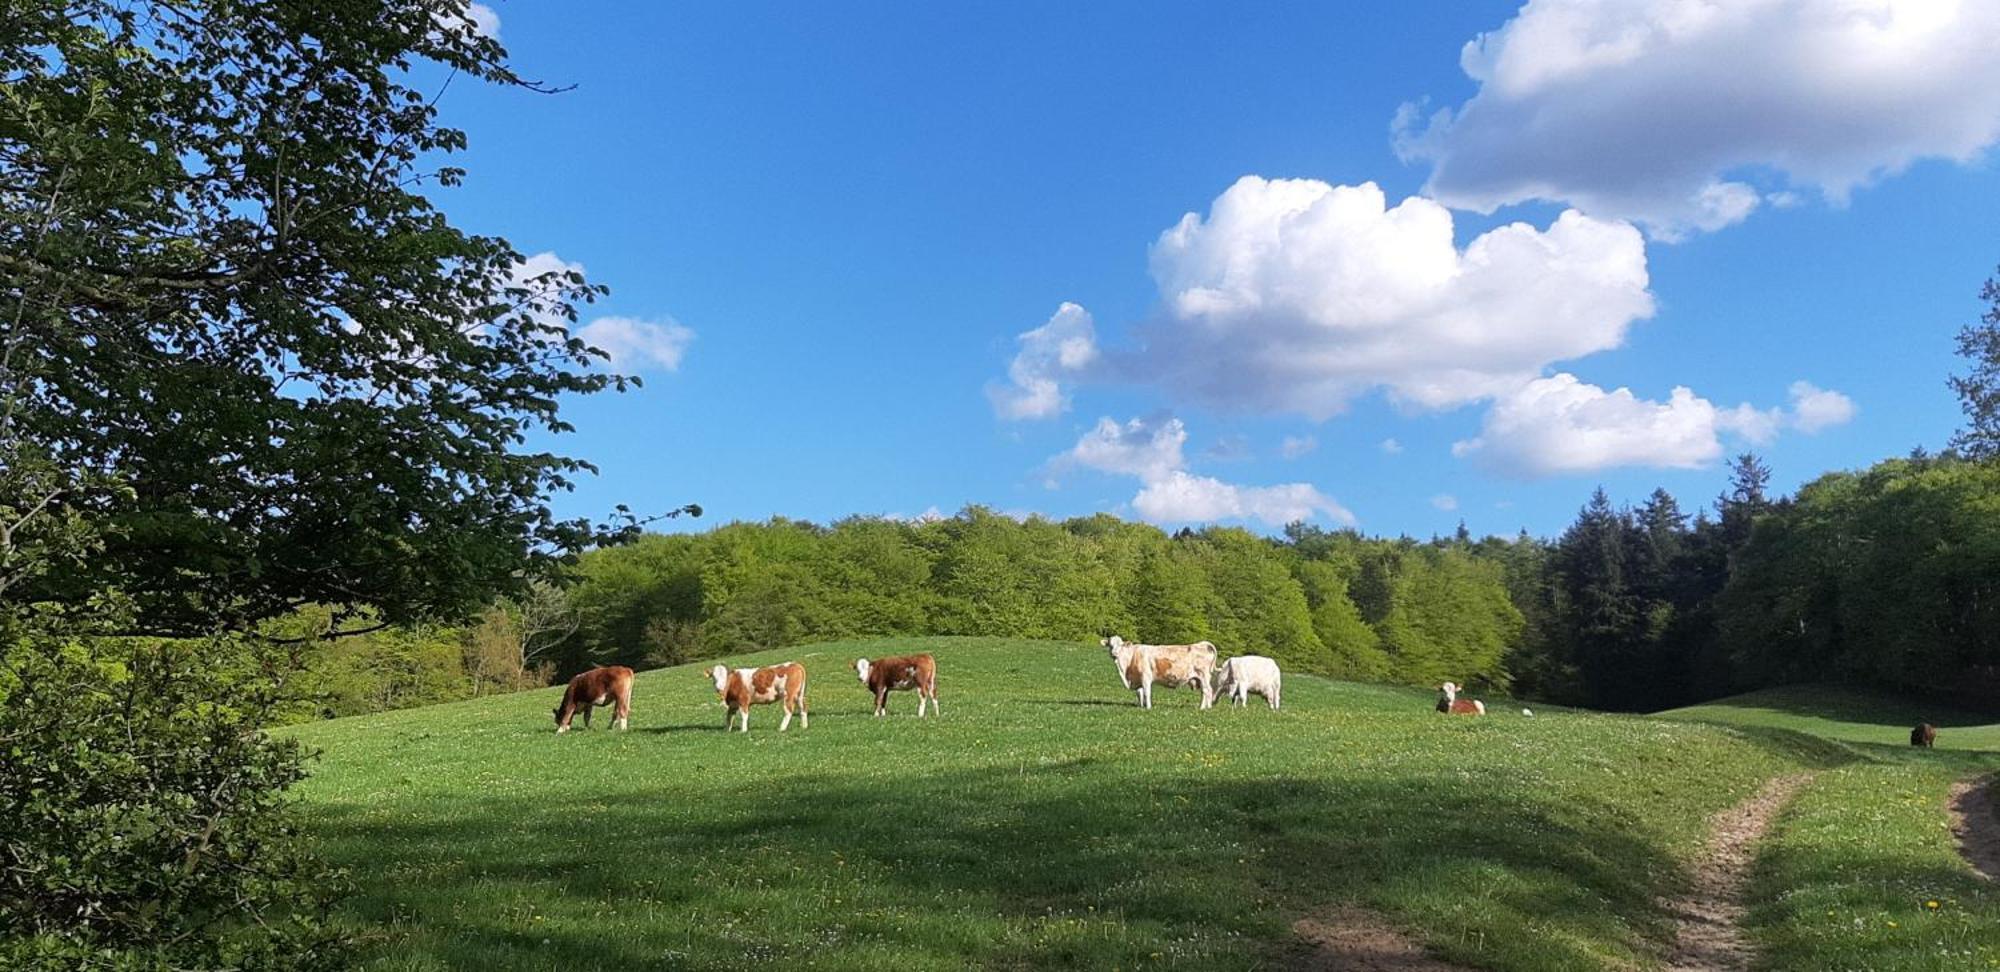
{"points": [[861, 669], [1449, 690], [720, 675], [1112, 643]]}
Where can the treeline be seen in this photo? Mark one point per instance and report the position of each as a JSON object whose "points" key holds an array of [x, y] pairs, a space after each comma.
{"points": [[1889, 576], [1331, 603]]}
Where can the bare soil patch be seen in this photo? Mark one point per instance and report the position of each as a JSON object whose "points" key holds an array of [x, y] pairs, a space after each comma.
{"points": [[1709, 914], [1350, 939], [1975, 818]]}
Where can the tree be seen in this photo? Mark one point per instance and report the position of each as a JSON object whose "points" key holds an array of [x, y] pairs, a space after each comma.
{"points": [[246, 367], [224, 290], [1979, 388]]}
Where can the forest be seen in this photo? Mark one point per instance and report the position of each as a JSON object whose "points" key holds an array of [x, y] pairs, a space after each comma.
{"points": [[1889, 576]]}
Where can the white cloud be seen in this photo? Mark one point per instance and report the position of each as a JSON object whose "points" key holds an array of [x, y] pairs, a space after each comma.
{"points": [[1392, 447], [1445, 502], [1295, 446], [1186, 498], [1815, 408], [931, 514], [1150, 450], [1685, 115], [480, 17], [1059, 350], [1562, 425], [1297, 296], [636, 345], [632, 344], [485, 22]]}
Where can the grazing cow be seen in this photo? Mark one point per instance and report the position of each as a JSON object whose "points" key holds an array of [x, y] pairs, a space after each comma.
{"points": [[901, 672], [1141, 666], [599, 686], [1245, 674], [741, 688], [1924, 735], [1448, 701]]}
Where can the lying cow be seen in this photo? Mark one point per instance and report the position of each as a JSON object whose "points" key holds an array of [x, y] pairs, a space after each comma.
{"points": [[901, 672], [1244, 675], [1141, 666], [1449, 702], [599, 686], [741, 688]]}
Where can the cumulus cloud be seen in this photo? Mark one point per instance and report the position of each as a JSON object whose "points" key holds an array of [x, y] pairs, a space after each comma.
{"points": [[1561, 424], [1296, 446], [1150, 450], [1392, 447], [633, 344], [1686, 116], [1295, 295], [1445, 502], [1183, 497], [636, 345], [1814, 408], [485, 22], [1058, 351]]}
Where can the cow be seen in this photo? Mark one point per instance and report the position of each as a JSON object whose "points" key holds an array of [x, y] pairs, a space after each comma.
{"points": [[599, 686], [1140, 666], [1448, 701], [1243, 675], [741, 688], [1924, 735], [901, 672]]}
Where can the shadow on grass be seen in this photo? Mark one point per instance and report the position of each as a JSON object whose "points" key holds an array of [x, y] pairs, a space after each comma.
{"points": [[991, 867]]}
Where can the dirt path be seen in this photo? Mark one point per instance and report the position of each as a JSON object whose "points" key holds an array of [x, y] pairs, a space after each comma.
{"points": [[1975, 818], [1352, 939], [1710, 913]]}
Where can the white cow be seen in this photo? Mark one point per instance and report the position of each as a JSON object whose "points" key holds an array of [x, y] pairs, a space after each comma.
{"points": [[1140, 666], [1246, 674]]}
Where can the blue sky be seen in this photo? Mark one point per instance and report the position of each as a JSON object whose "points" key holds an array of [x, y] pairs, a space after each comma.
{"points": [[857, 211]]}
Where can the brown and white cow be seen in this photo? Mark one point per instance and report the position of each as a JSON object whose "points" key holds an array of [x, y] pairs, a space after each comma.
{"points": [[1140, 667], [1449, 702], [741, 688], [901, 672], [1924, 735], [599, 686]]}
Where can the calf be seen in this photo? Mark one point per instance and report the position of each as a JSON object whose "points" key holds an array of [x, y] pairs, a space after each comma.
{"points": [[741, 688], [1246, 674], [1141, 666], [1448, 701], [901, 672], [1924, 735], [599, 686]]}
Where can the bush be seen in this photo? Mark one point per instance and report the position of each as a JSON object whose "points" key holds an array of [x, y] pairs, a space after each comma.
{"points": [[144, 822]]}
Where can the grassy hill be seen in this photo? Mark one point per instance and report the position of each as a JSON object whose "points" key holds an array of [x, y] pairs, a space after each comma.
{"points": [[1852, 715], [1043, 822]]}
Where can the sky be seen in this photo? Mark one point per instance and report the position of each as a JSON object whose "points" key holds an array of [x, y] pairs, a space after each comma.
{"points": [[1394, 268]]}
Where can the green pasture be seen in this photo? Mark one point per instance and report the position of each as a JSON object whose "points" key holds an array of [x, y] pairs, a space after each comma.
{"points": [[1046, 822]]}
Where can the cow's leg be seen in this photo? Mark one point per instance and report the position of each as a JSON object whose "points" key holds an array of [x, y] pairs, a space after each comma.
{"points": [[934, 703], [805, 715], [587, 708], [623, 709], [881, 702], [786, 722]]}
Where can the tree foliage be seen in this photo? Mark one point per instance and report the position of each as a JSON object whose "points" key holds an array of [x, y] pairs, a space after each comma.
{"points": [[1979, 388]]}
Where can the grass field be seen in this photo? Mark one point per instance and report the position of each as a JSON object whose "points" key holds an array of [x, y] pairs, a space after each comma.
{"points": [[1861, 872], [1835, 712], [1045, 822]]}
